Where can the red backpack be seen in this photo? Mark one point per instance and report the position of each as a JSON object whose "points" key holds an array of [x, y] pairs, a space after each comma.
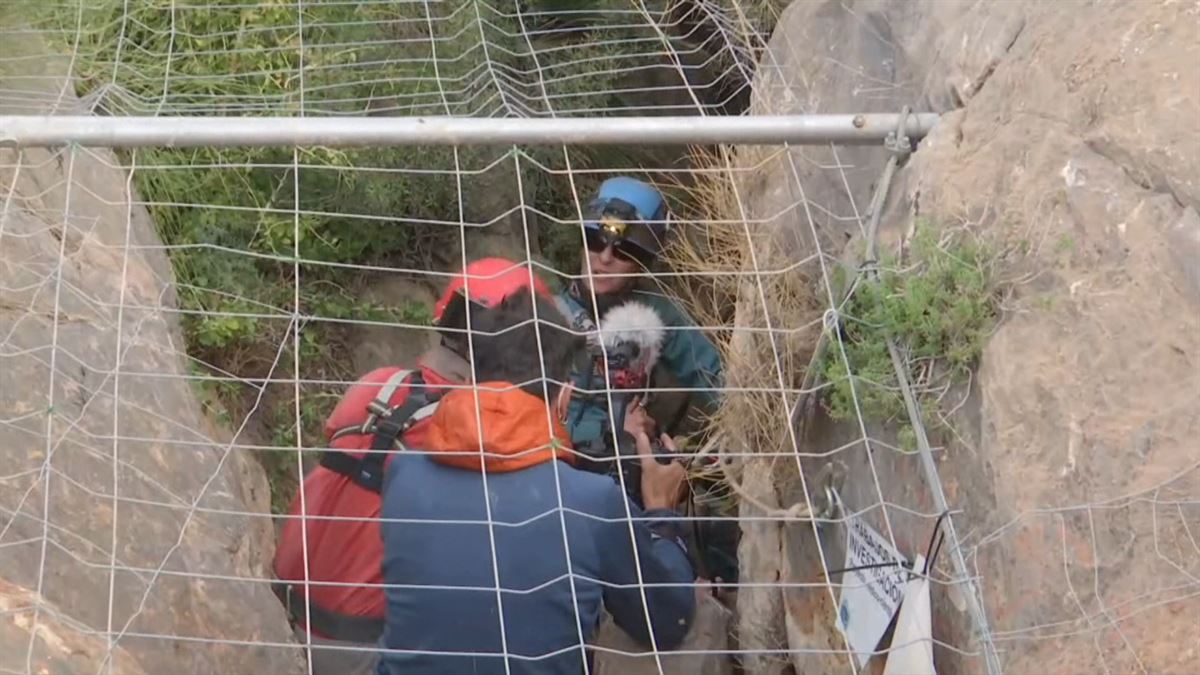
{"points": [[346, 553]]}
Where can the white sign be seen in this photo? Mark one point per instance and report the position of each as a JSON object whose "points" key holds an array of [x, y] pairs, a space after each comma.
{"points": [[870, 597]]}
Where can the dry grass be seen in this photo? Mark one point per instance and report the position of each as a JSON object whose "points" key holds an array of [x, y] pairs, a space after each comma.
{"points": [[721, 236]]}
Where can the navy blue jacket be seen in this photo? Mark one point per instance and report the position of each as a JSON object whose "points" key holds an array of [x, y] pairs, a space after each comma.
{"points": [[443, 607]]}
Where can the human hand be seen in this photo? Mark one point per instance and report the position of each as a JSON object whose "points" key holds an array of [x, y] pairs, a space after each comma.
{"points": [[662, 484], [638, 422]]}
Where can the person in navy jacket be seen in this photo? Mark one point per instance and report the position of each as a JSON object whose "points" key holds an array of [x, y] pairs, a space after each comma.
{"points": [[497, 549]]}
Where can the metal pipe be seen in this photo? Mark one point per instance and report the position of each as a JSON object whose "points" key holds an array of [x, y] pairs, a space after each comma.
{"points": [[970, 592], [131, 132]]}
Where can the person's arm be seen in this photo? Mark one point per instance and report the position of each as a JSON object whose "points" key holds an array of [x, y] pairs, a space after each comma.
{"points": [[690, 356], [661, 552]]}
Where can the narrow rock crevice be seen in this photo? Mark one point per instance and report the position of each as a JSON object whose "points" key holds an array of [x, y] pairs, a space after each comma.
{"points": [[1146, 177], [961, 98]]}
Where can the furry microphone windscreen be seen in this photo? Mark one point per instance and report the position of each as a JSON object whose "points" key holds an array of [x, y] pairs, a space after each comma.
{"points": [[634, 324]]}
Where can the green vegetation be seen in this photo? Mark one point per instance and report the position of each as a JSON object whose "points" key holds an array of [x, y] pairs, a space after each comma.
{"points": [[937, 305], [242, 222]]}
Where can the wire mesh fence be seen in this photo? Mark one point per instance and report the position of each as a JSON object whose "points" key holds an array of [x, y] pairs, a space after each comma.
{"points": [[178, 322], [405, 58]]}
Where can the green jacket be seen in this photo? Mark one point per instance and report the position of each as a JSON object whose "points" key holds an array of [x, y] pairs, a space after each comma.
{"points": [[688, 357]]}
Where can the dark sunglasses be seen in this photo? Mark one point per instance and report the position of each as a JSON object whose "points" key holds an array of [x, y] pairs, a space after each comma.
{"points": [[597, 240]]}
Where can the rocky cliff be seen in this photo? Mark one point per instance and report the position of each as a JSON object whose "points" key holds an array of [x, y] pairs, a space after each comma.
{"points": [[121, 512], [1070, 134]]}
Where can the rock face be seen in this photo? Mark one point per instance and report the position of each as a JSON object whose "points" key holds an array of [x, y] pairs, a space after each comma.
{"points": [[119, 514], [709, 633], [59, 645], [1072, 132], [376, 345]]}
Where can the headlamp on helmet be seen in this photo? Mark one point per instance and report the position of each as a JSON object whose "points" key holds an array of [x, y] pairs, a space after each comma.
{"points": [[631, 217]]}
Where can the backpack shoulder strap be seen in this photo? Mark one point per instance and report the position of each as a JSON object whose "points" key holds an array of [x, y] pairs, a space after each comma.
{"points": [[386, 424], [382, 401]]}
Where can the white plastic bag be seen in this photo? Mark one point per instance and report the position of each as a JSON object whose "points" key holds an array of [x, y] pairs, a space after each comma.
{"points": [[912, 641]]}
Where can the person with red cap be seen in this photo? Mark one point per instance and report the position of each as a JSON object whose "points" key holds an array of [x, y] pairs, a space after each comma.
{"points": [[332, 528], [500, 553]]}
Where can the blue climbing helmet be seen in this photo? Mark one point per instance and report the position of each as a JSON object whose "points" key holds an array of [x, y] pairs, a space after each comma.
{"points": [[631, 216]]}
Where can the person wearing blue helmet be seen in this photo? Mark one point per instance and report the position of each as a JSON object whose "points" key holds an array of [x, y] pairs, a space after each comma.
{"points": [[625, 229]]}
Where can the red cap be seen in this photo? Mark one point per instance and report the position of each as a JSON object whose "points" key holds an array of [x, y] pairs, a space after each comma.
{"points": [[488, 281]]}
